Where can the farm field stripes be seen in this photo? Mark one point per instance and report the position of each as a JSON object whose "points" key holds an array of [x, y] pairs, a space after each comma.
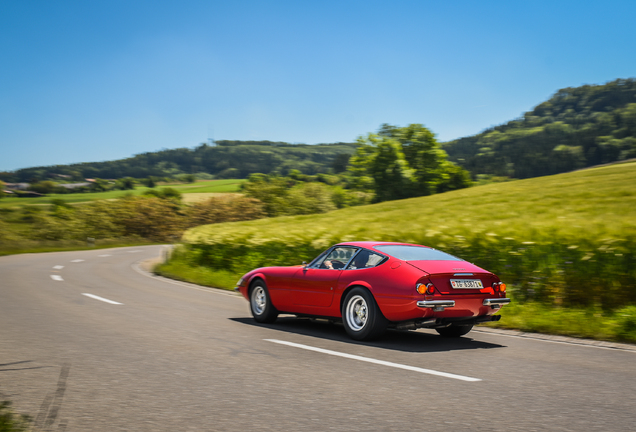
{"points": [[206, 186]]}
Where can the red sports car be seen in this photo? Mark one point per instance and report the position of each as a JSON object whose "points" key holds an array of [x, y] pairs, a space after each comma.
{"points": [[373, 286]]}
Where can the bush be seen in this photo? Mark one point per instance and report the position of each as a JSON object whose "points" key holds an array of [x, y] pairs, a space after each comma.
{"points": [[165, 193], [43, 187], [152, 218], [216, 210], [11, 422]]}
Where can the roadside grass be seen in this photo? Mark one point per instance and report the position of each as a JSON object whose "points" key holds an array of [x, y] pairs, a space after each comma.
{"points": [[591, 323], [182, 270], [12, 422]]}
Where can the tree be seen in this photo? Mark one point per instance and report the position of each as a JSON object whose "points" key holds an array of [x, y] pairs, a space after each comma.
{"points": [[43, 187], [272, 191], [149, 182], [2, 193], [165, 193], [402, 162], [99, 185], [126, 183], [575, 128]]}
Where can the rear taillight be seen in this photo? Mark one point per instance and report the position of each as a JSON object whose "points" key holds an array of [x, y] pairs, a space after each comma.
{"points": [[499, 286], [428, 288]]}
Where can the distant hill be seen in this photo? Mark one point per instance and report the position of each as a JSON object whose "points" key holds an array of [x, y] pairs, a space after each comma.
{"points": [[576, 128], [224, 159]]}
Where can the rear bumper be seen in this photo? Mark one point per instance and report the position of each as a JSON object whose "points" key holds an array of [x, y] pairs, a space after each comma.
{"points": [[436, 305], [496, 301], [440, 305]]}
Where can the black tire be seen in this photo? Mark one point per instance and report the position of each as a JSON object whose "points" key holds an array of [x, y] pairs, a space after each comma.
{"points": [[261, 305], [454, 331], [361, 315]]}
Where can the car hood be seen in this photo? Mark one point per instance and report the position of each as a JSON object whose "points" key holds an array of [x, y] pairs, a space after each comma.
{"points": [[435, 267]]}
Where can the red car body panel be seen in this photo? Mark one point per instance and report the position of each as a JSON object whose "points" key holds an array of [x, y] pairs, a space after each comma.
{"points": [[319, 291]]}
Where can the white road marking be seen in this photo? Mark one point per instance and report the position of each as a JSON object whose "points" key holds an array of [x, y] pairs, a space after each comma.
{"points": [[101, 299], [134, 251], [375, 361], [58, 267], [78, 260], [105, 255], [57, 278]]}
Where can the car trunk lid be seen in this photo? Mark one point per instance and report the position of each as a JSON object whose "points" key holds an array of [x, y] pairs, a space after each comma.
{"points": [[461, 274]]}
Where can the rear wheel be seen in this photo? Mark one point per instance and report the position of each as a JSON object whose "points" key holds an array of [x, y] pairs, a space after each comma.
{"points": [[454, 331], [361, 315], [261, 305]]}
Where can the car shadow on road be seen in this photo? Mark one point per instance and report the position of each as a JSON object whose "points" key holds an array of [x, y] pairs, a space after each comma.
{"points": [[407, 341]]}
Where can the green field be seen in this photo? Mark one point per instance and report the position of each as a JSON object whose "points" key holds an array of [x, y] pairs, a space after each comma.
{"points": [[565, 242], [202, 186], [588, 204]]}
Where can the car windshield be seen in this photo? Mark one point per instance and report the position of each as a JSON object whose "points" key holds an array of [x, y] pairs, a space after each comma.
{"points": [[416, 253]]}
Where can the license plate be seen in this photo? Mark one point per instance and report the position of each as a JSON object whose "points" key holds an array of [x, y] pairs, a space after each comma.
{"points": [[466, 283]]}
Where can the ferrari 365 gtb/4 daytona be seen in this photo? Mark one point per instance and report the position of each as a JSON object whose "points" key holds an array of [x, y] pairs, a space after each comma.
{"points": [[372, 286]]}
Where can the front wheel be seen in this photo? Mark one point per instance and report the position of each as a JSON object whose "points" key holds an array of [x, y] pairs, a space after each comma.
{"points": [[361, 315], [261, 305], [454, 331]]}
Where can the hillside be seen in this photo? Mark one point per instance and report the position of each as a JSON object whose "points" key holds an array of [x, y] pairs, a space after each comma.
{"points": [[577, 127], [551, 238], [224, 159]]}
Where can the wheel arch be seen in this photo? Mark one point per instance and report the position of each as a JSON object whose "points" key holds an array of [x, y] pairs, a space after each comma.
{"points": [[352, 285], [253, 279]]}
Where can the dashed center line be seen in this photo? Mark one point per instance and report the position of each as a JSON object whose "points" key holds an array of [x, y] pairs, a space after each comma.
{"points": [[375, 361], [57, 278], [101, 299], [58, 267], [78, 260], [105, 255]]}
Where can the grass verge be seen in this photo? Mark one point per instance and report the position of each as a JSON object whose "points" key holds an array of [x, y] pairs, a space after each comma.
{"points": [[591, 323], [183, 270], [12, 422]]}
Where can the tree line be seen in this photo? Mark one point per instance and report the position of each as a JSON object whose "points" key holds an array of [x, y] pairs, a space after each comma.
{"points": [[222, 159], [576, 128]]}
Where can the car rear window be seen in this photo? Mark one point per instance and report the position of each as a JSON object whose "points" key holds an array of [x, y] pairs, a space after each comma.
{"points": [[416, 253]]}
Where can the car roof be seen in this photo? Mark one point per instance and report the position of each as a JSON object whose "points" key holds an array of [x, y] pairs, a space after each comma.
{"points": [[372, 244]]}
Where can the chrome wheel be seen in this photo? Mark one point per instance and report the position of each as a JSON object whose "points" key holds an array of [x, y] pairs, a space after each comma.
{"points": [[259, 300], [357, 313], [263, 309]]}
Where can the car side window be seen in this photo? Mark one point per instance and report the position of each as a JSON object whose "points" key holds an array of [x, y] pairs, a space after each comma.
{"points": [[318, 260], [338, 258], [366, 259]]}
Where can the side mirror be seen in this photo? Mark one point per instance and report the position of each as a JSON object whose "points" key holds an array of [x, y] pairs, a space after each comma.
{"points": [[304, 263]]}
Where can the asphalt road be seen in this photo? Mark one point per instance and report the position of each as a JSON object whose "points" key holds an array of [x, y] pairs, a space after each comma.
{"points": [[171, 357]]}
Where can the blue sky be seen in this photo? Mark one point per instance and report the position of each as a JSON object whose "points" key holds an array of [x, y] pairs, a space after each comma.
{"points": [[84, 81]]}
